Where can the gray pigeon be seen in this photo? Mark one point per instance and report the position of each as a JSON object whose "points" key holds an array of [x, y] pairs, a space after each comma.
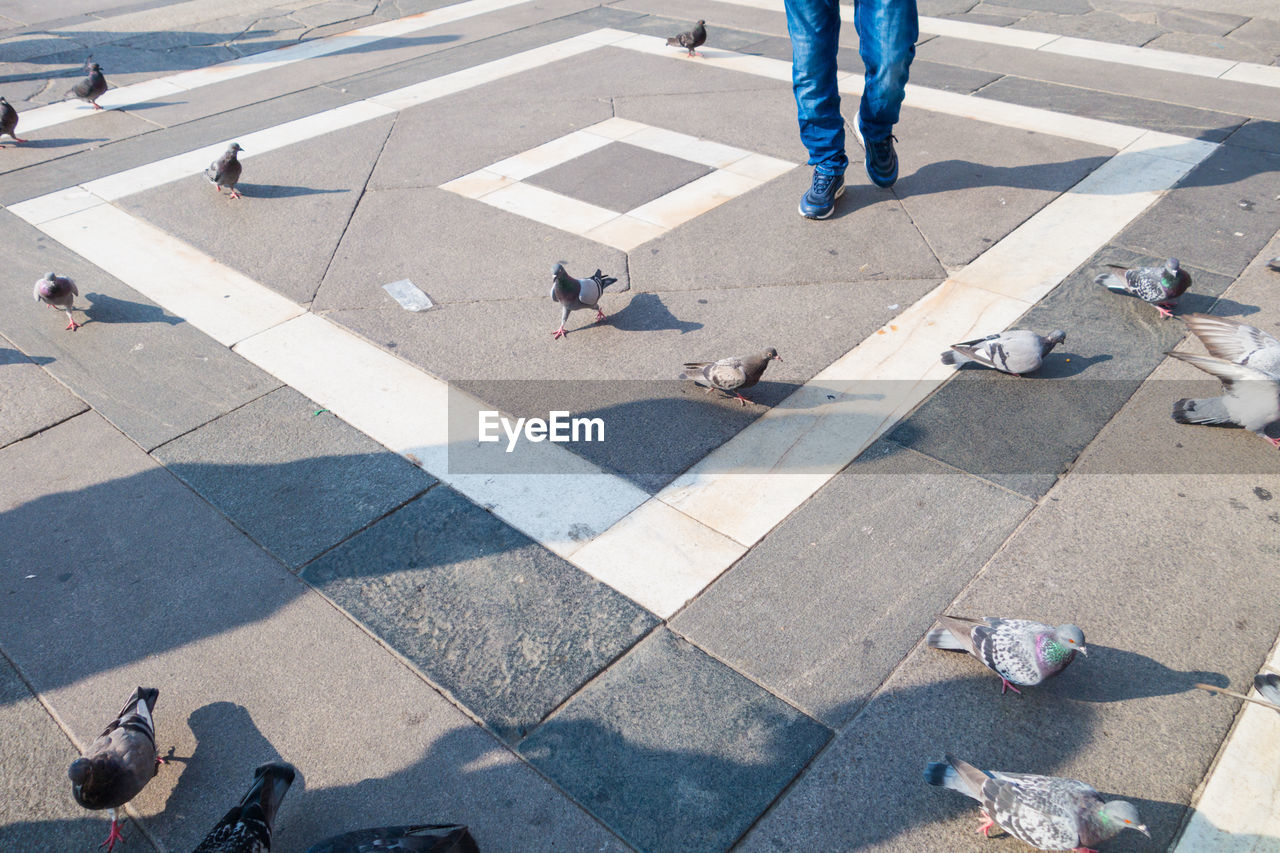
{"points": [[1047, 812], [574, 293], [692, 39], [732, 374], [1161, 286], [1268, 684], [58, 292], [225, 171], [1016, 351], [427, 838], [91, 87], [120, 762], [247, 827], [1236, 342], [1251, 398], [9, 120], [1017, 650]]}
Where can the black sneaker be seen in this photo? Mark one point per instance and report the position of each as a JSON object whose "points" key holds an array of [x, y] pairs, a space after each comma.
{"points": [[882, 161], [820, 201]]}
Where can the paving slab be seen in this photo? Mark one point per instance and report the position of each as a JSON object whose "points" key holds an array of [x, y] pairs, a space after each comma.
{"points": [[319, 480], [1213, 45], [1204, 212], [1209, 125], [148, 372], [59, 141], [30, 399], [35, 756], [859, 538], [619, 176], [1258, 134], [1047, 418], [297, 203], [1097, 25], [498, 622], [673, 749], [250, 663]]}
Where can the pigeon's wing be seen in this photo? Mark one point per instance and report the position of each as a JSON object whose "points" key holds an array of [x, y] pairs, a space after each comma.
{"points": [[726, 374], [589, 291], [982, 350], [246, 828], [961, 628], [123, 756], [83, 89], [1268, 684], [1020, 351], [425, 838], [71, 285], [1035, 809], [1236, 342], [1008, 647], [1146, 283], [1252, 397]]}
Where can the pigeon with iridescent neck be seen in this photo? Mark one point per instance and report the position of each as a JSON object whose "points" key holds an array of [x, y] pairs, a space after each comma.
{"points": [[1047, 812], [1018, 650], [9, 120], [91, 88], [691, 39], [574, 293], [246, 828], [58, 291], [1161, 286], [120, 762]]}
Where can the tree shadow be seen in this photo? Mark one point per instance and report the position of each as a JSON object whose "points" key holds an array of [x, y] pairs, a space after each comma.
{"points": [[104, 308]]}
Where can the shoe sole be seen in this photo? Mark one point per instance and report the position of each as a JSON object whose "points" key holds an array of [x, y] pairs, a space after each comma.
{"points": [[800, 208]]}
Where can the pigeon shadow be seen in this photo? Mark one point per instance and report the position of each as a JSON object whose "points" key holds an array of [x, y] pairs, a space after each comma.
{"points": [[281, 190], [1143, 677], [647, 313], [8, 355], [1205, 303], [54, 143], [1060, 365], [112, 309]]}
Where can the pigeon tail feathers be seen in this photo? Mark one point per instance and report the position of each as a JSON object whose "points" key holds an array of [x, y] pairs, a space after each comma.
{"points": [[1268, 684], [1111, 281], [1205, 411], [941, 638]]}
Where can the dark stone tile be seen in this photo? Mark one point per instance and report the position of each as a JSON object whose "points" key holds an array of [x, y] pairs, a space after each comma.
{"points": [[672, 749], [30, 399], [1024, 432], [950, 78], [826, 654], [148, 372], [1216, 218], [504, 626], [1099, 25], [619, 176], [1259, 134], [316, 480], [1122, 109]]}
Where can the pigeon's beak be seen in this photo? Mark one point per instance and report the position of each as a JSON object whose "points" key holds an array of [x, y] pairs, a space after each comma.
{"points": [[1142, 827], [777, 358], [1083, 650]]}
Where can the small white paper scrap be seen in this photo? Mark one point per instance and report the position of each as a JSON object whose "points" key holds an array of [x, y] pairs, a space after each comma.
{"points": [[410, 297]]}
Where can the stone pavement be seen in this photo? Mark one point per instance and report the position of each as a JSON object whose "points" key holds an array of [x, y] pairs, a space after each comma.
{"points": [[252, 478]]}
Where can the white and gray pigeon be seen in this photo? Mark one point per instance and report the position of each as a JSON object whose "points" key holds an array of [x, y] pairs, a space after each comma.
{"points": [[1161, 286], [1236, 342], [1018, 650], [691, 39], [58, 291], [120, 762], [9, 120], [1251, 397], [574, 293], [225, 171], [92, 87], [1047, 812], [730, 375], [246, 828], [424, 838], [1016, 351]]}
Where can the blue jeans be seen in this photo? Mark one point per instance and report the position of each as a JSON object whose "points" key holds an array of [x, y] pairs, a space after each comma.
{"points": [[887, 33]]}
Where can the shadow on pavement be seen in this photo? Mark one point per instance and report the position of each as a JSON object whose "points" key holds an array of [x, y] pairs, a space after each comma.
{"points": [[111, 309]]}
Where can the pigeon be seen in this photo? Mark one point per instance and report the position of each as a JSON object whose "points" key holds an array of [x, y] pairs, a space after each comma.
{"points": [[1017, 650], [1047, 812], [692, 39], [1161, 286], [9, 120], [1236, 342], [426, 838], [247, 827], [1252, 398], [225, 171], [58, 291], [1268, 685], [574, 293], [120, 762], [1016, 351], [91, 87], [732, 374]]}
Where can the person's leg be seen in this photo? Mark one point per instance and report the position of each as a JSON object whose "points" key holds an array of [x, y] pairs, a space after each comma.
{"points": [[814, 26], [887, 33]]}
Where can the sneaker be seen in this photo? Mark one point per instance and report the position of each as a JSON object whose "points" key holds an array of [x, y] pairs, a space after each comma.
{"points": [[820, 201], [882, 161]]}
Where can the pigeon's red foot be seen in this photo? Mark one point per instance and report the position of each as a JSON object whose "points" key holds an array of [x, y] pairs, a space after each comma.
{"points": [[600, 315], [160, 761], [1275, 442], [1084, 850], [95, 106], [558, 333], [742, 399], [235, 194], [695, 53], [987, 823], [113, 836], [1007, 685], [1165, 313], [72, 326]]}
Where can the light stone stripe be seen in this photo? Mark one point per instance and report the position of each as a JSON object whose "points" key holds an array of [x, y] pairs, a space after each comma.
{"points": [[185, 81]]}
